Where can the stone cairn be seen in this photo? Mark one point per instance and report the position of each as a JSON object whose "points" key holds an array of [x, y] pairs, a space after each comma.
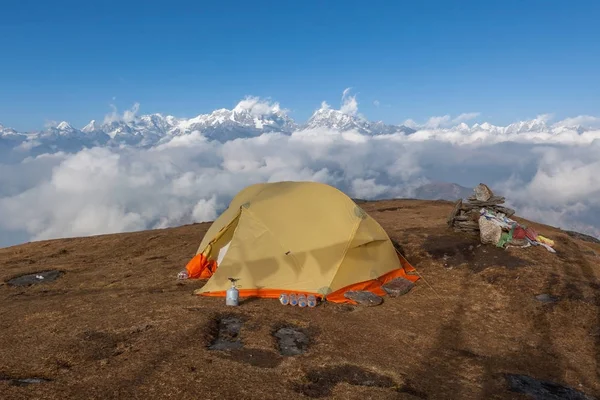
{"points": [[465, 215]]}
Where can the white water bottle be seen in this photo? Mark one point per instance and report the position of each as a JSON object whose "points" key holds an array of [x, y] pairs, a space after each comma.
{"points": [[284, 299], [301, 300], [233, 295]]}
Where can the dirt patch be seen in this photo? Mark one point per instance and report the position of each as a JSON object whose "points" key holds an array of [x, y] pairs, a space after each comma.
{"points": [[543, 390], [60, 253], [409, 389], [339, 308], [399, 248], [389, 209], [22, 381], [35, 278], [101, 345], [253, 357], [321, 381], [156, 258], [456, 250], [226, 332], [457, 348], [291, 340]]}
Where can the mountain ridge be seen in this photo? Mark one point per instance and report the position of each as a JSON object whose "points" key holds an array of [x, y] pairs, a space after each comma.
{"points": [[251, 117]]}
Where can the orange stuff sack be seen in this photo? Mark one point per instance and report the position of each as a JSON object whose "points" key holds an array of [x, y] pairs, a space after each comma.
{"points": [[200, 267]]}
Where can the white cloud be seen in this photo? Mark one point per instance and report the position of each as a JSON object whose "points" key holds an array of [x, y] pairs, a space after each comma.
{"points": [[258, 107], [410, 123], [465, 117], [376, 103], [349, 103], [128, 115], [582, 120], [50, 124], [103, 190], [437, 122], [549, 176], [444, 121]]}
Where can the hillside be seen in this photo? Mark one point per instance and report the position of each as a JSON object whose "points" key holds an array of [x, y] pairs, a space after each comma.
{"points": [[118, 324]]}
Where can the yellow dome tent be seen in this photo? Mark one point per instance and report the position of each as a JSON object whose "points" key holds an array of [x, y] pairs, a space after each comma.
{"points": [[296, 237]]}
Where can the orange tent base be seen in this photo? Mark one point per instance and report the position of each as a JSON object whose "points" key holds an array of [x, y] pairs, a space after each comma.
{"points": [[373, 285]]}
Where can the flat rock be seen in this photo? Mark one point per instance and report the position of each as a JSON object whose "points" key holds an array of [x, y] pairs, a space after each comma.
{"points": [[546, 298], [467, 224], [22, 381], [509, 212], [543, 390], [35, 278], [364, 297], [291, 341], [493, 201], [228, 335], [398, 287], [483, 192], [454, 213]]}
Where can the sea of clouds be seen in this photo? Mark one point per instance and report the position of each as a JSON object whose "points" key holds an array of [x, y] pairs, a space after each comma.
{"points": [[547, 176]]}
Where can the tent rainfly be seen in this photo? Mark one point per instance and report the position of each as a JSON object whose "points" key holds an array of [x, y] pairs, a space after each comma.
{"points": [[296, 237]]}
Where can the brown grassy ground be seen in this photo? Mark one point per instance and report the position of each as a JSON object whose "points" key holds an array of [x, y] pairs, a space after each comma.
{"points": [[118, 324]]}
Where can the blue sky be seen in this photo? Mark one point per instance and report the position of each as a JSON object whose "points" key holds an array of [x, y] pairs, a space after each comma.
{"points": [[509, 60]]}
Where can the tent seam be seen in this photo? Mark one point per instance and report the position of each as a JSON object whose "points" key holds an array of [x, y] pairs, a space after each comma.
{"points": [[352, 234], [220, 233]]}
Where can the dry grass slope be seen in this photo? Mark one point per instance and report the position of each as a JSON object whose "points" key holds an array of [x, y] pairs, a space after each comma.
{"points": [[117, 324]]}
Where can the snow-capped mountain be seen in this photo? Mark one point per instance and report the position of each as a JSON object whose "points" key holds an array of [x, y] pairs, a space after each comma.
{"points": [[337, 120], [251, 117], [147, 130], [532, 126], [5, 132], [536, 125], [224, 125]]}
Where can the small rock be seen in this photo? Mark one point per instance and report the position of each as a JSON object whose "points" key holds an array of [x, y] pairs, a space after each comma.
{"points": [[228, 336], [519, 242], [546, 298], [291, 341], [38, 277], [364, 297], [22, 381], [398, 287], [543, 390], [489, 232], [483, 192]]}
